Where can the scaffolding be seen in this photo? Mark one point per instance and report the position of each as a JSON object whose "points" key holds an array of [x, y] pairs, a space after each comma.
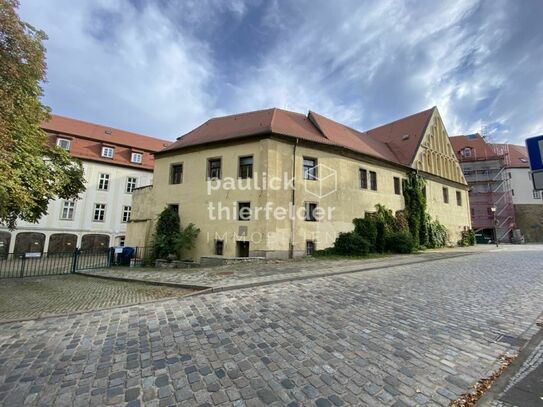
{"points": [[491, 195]]}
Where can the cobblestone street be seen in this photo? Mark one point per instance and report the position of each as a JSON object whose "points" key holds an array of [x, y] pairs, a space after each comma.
{"points": [[26, 298], [418, 334]]}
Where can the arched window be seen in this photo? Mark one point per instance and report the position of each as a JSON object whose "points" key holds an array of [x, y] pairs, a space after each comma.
{"points": [[29, 242], [5, 240], [62, 243], [94, 242]]}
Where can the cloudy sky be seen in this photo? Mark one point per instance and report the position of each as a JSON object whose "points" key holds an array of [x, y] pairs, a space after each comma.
{"points": [[161, 67]]}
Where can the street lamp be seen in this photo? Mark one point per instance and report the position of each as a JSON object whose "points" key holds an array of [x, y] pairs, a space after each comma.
{"points": [[493, 209]]}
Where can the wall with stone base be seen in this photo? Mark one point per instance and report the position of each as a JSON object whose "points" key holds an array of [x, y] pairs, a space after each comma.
{"points": [[529, 219]]}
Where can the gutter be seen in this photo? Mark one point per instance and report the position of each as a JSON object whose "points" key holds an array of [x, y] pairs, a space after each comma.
{"points": [[293, 202]]}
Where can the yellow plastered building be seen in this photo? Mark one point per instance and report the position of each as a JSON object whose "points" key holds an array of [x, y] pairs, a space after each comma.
{"points": [[279, 184]]}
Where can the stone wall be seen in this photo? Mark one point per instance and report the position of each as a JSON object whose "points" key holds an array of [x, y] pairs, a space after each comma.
{"points": [[529, 219]]}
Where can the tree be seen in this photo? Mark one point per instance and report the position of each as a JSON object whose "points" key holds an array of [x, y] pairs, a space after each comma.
{"points": [[32, 171], [170, 240]]}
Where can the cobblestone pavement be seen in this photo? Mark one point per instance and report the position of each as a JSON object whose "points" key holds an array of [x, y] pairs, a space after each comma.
{"points": [[240, 275], [411, 335], [26, 298]]}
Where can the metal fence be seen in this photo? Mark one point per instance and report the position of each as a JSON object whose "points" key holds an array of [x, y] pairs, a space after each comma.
{"points": [[17, 265]]}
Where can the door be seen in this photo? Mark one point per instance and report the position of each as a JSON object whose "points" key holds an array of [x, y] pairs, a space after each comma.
{"points": [[243, 249]]}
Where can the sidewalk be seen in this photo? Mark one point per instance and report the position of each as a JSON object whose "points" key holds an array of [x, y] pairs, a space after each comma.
{"points": [[236, 276], [522, 384]]}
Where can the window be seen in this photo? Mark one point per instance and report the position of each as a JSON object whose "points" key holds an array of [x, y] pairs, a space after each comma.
{"points": [[99, 212], [219, 247], [64, 143], [175, 207], [459, 198], [121, 241], [214, 168], [310, 168], [244, 210], [126, 213], [107, 152], [363, 178], [397, 187], [373, 180], [513, 192], [67, 212], [446, 195], [309, 247], [424, 192], [246, 167], [176, 174], [131, 183], [136, 158], [103, 182], [466, 152], [536, 194], [310, 211]]}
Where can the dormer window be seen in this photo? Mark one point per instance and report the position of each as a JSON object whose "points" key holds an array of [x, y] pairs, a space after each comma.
{"points": [[466, 152], [523, 160], [64, 143], [107, 152], [136, 158]]}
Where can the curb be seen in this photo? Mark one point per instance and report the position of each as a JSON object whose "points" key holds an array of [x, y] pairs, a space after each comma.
{"points": [[498, 387], [207, 290]]}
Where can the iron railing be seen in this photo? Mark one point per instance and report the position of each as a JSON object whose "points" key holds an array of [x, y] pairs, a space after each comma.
{"points": [[29, 264]]}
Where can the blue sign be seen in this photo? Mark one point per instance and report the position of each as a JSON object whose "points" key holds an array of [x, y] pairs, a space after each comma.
{"points": [[535, 152]]}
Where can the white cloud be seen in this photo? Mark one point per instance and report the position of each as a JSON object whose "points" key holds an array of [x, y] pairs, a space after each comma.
{"points": [[165, 70]]}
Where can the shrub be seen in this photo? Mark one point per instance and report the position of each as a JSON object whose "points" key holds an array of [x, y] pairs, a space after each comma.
{"points": [[437, 234], [468, 238], [170, 241], [351, 244], [400, 242], [382, 232], [367, 229], [329, 251]]}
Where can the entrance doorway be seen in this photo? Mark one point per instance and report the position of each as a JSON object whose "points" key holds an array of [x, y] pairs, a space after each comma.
{"points": [[242, 249]]}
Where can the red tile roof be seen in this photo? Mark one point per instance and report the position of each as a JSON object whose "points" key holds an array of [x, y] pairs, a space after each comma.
{"points": [[515, 156], [395, 142], [88, 139], [518, 156]]}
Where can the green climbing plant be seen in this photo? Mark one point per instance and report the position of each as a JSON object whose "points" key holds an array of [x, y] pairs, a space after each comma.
{"points": [[415, 208]]}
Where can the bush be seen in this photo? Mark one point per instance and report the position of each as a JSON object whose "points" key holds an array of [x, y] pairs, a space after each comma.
{"points": [[367, 229], [400, 242], [351, 244], [329, 251], [437, 234], [468, 238], [170, 241]]}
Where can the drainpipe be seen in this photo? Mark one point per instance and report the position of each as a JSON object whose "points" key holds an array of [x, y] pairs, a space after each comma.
{"points": [[293, 203]]}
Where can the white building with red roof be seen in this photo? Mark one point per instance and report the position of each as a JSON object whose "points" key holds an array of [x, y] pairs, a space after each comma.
{"points": [[115, 162]]}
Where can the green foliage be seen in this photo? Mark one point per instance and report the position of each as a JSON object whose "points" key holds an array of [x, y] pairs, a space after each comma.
{"points": [[415, 208], [467, 239], [351, 244], [170, 240], [437, 233], [367, 229], [32, 171], [399, 242]]}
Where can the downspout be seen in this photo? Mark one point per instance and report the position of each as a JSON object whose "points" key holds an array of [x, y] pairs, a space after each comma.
{"points": [[293, 203]]}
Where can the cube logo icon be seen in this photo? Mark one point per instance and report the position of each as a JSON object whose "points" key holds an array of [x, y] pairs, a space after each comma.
{"points": [[325, 184]]}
